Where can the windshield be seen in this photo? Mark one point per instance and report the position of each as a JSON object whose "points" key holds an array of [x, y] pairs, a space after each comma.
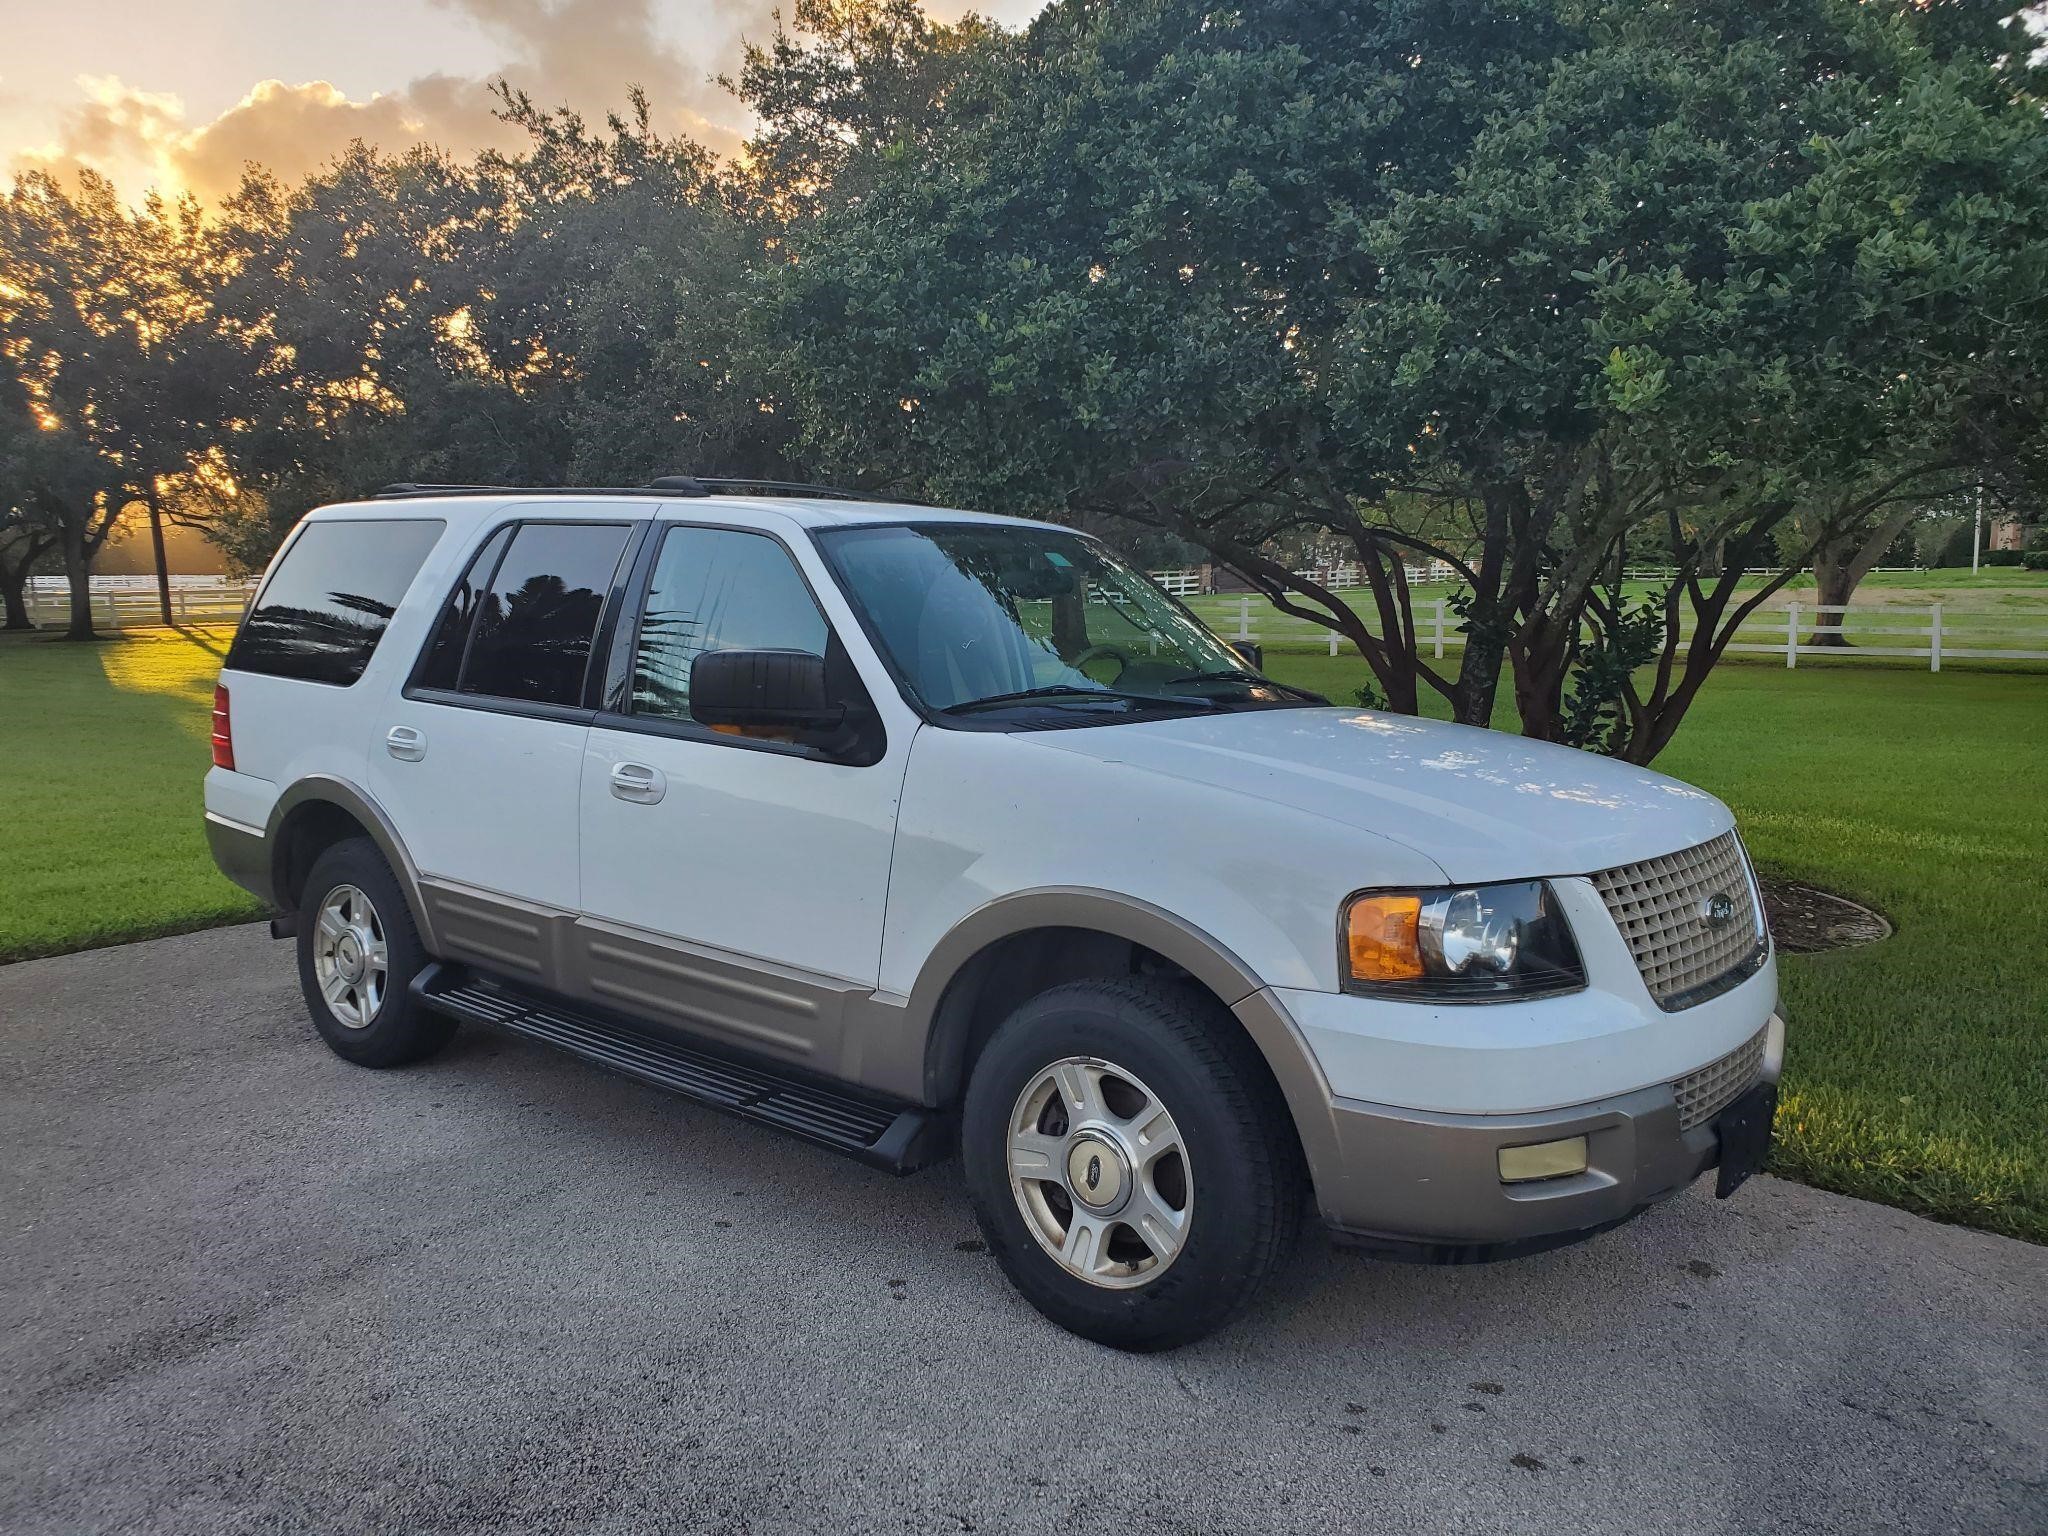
{"points": [[987, 618]]}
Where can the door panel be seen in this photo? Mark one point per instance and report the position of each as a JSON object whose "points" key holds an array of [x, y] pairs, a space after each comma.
{"points": [[763, 853], [480, 757], [490, 800]]}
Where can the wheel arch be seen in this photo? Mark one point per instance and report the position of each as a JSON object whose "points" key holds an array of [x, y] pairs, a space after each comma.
{"points": [[963, 990], [315, 813]]}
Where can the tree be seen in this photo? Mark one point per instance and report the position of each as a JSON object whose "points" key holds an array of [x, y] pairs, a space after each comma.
{"points": [[841, 89], [574, 313], [94, 320], [1513, 287], [621, 293], [27, 458]]}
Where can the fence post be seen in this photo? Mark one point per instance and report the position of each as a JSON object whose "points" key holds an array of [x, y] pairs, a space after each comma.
{"points": [[1244, 618], [1333, 642], [1934, 642], [113, 611], [1791, 634], [1439, 629]]}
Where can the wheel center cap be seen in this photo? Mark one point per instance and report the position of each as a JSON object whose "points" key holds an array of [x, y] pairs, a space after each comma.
{"points": [[1096, 1173], [348, 957]]}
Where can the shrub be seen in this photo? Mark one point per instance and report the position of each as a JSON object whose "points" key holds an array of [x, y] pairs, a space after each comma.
{"points": [[2036, 560], [2001, 557]]}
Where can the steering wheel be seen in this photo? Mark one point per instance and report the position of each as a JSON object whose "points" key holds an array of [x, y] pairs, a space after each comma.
{"points": [[1121, 657]]}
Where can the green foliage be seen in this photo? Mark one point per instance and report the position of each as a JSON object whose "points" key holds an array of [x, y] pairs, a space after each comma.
{"points": [[1535, 289], [1629, 636], [1932, 537], [1598, 271], [2035, 559]]}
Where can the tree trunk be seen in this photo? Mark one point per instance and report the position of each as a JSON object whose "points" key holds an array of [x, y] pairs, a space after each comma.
{"points": [[1839, 565], [1489, 618], [163, 569], [17, 561], [78, 572], [13, 589], [1833, 587], [1543, 656]]}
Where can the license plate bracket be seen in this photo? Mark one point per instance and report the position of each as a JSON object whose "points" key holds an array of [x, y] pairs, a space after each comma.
{"points": [[1745, 1131]]}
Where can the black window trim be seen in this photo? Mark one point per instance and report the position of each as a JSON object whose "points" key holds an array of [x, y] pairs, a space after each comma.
{"points": [[527, 709], [615, 700], [276, 565]]}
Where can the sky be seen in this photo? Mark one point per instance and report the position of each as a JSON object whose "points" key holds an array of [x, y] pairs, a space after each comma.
{"points": [[180, 94]]}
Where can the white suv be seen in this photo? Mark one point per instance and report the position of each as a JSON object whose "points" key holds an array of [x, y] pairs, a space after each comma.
{"points": [[902, 829]]}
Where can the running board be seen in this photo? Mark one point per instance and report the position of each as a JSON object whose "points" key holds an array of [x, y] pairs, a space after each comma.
{"points": [[900, 1140]]}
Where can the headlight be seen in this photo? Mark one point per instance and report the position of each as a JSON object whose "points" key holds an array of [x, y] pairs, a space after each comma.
{"points": [[1471, 943]]}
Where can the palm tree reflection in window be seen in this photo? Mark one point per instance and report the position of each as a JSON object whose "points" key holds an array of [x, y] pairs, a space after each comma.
{"points": [[535, 642], [325, 644]]}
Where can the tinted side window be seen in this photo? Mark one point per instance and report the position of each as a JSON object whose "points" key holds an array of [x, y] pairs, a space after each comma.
{"points": [[326, 606], [715, 589], [441, 665], [535, 625]]}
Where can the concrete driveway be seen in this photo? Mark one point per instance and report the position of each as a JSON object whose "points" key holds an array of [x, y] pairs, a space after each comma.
{"points": [[249, 1287]]}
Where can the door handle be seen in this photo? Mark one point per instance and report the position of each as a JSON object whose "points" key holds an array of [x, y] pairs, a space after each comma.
{"points": [[405, 743], [638, 782]]}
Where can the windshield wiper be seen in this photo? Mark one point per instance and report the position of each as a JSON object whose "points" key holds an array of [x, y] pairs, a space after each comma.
{"points": [[1249, 679], [1070, 690]]}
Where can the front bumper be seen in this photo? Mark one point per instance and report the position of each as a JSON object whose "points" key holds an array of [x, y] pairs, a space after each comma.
{"points": [[1427, 1184]]}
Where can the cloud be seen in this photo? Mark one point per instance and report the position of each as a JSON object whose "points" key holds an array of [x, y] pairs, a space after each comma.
{"points": [[294, 129], [577, 53]]}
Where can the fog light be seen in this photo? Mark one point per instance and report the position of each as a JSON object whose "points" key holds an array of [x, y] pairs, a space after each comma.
{"points": [[1543, 1160]]}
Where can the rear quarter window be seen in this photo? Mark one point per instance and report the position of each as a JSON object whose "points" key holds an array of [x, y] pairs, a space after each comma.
{"points": [[325, 607]]}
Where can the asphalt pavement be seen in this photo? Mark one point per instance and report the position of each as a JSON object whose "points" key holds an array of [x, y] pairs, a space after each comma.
{"points": [[247, 1287]]}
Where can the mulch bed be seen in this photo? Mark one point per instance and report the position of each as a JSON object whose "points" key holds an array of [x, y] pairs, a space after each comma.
{"points": [[1806, 919]]}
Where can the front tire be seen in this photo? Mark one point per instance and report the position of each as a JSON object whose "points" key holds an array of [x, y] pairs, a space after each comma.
{"points": [[359, 951], [1131, 1162]]}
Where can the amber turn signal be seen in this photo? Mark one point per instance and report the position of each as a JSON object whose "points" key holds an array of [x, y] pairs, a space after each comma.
{"points": [[1380, 938]]}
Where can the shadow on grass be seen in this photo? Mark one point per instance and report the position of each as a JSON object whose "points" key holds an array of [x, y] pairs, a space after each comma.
{"points": [[207, 640]]}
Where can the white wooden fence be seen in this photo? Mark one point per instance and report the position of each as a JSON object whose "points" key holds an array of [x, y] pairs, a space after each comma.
{"points": [[1195, 582], [1936, 632], [130, 602]]}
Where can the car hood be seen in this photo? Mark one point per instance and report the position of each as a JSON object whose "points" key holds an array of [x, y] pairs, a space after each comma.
{"points": [[1482, 804]]}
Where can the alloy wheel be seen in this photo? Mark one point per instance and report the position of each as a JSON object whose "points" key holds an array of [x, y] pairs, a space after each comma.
{"points": [[351, 960], [1100, 1172]]}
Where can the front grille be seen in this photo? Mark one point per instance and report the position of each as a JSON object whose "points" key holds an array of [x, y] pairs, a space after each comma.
{"points": [[1705, 1093], [1661, 906]]}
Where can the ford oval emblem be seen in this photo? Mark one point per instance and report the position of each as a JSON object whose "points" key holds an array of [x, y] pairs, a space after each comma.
{"points": [[1095, 1172], [1718, 910]]}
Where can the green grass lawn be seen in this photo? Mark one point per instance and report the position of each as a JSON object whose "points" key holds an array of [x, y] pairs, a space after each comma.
{"points": [[1917, 1070], [101, 759]]}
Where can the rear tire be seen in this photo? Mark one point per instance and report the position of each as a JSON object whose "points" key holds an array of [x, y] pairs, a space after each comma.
{"points": [[359, 951], [1131, 1162]]}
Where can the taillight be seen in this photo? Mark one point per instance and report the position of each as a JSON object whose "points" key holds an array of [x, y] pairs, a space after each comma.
{"points": [[223, 733]]}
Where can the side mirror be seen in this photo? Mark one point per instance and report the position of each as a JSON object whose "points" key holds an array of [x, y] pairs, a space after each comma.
{"points": [[779, 691], [1252, 653]]}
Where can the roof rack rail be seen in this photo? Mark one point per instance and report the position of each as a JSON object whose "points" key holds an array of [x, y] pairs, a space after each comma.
{"points": [[666, 485], [744, 483]]}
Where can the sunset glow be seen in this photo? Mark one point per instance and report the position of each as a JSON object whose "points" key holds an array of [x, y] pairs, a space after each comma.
{"points": [[181, 99]]}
